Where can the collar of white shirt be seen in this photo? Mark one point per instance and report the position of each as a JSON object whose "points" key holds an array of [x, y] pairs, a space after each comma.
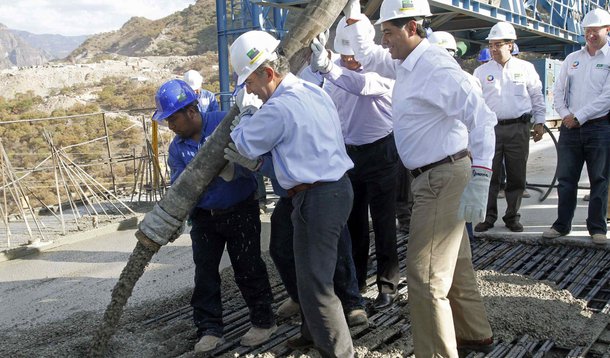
{"points": [[411, 60]]}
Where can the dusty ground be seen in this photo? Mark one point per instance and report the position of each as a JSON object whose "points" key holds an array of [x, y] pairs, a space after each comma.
{"points": [[516, 305]]}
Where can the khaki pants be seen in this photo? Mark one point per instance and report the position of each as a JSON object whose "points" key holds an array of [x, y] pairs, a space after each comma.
{"points": [[443, 296]]}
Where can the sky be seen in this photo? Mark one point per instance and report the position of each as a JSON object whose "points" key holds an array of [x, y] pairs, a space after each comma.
{"points": [[81, 17]]}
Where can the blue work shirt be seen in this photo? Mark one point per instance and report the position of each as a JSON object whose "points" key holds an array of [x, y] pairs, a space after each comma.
{"points": [[266, 169], [220, 194], [206, 101]]}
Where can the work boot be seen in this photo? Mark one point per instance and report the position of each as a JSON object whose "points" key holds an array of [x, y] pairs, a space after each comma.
{"points": [[484, 345], [256, 336], [515, 226], [207, 343], [298, 343], [384, 300], [357, 317], [288, 308], [501, 194], [526, 194], [551, 234], [484, 226], [600, 239]]}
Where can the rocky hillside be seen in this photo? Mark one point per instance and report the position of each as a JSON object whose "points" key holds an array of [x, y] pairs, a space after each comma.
{"points": [[58, 46], [14, 51], [188, 32]]}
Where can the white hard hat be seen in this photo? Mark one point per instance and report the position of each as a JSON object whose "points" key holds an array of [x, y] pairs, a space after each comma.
{"points": [[502, 31], [394, 9], [193, 78], [596, 18], [443, 39], [342, 45], [250, 50]]}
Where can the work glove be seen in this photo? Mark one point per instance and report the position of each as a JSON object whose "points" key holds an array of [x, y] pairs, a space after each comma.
{"points": [[228, 172], [232, 155], [248, 103], [235, 122], [473, 204], [320, 61], [352, 9]]}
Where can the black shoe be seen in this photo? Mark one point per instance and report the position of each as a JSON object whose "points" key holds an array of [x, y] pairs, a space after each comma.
{"points": [[484, 226], [299, 343], [384, 300], [514, 226], [486, 345]]}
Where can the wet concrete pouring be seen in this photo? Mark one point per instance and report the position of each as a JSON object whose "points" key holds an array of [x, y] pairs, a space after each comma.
{"points": [[542, 301]]}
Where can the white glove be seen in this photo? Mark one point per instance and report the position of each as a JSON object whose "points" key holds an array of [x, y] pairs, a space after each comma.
{"points": [[247, 101], [235, 122], [352, 9], [473, 204], [319, 56], [232, 155], [228, 172]]}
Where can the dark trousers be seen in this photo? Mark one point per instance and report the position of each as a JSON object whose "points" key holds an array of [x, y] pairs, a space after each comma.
{"points": [[512, 148], [319, 215], [282, 252], [240, 231], [404, 197], [374, 181], [588, 144]]}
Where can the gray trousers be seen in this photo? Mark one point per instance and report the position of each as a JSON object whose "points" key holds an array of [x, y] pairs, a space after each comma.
{"points": [[318, 217], [512, 148]]}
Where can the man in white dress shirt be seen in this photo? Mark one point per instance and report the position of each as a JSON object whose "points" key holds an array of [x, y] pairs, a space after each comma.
{"points": [[582, 99], [512, 89], [437, 113], [298, 123]]}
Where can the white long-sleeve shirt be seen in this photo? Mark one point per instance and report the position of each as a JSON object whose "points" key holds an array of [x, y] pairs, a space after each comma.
{"points": [[512, 90], [364, 103], [436, 110], [299, 125], [583, 85]]}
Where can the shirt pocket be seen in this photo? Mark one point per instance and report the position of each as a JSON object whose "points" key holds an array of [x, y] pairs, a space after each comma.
{"points": [[520, 89]]}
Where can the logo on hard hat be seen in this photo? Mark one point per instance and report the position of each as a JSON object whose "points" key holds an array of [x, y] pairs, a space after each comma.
{"points": [[253, 54], [345, 42], [407, 5], [181, 96], [575, 64], [490, 78]]}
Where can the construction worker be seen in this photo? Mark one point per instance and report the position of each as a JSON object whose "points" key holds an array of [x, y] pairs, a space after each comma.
{"points": [[282, 252], [206, 99], [582, 99], [512, 89], [363, 100], [484, 55], [298, 123], [437, 113], [227, 214]]}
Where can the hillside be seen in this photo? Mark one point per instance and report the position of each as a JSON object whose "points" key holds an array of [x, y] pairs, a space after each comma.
{"points": [[188, 32], [57, 46], [17, 52]]}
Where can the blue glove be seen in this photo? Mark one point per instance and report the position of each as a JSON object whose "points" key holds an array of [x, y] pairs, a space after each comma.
{"points": [[473, 204]]}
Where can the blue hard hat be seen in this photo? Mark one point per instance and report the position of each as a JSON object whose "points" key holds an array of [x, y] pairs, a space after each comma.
{"points": [[515, 50], [172, 96], [484, 55]]}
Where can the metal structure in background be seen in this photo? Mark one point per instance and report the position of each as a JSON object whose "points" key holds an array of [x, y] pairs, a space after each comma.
{"points": [[544, 26]]}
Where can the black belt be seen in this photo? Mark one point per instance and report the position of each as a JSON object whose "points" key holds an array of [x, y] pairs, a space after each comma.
{"points": [[524, 118], [217, 212], [605, 118], [356, 148], [449, 159]]}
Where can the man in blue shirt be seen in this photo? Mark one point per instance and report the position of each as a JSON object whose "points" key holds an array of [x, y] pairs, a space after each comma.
{"points": [[206, 99], [298, 123], [226, 214]]}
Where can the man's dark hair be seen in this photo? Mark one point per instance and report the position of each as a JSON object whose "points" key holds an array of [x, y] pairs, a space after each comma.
{"points": [[402, 21]]}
